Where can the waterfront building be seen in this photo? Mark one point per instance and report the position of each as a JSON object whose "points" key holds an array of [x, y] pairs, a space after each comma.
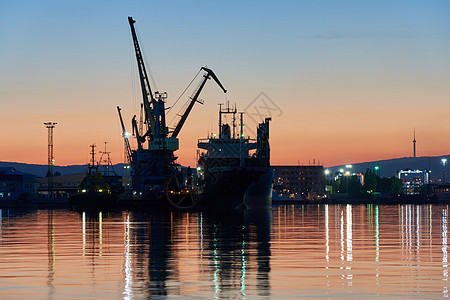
{"points": [[63, 185], [300, 180], [413, 180], [15, 185]]}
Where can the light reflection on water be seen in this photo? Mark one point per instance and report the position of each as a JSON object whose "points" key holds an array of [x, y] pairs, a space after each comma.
{"points": [[323, 251]]}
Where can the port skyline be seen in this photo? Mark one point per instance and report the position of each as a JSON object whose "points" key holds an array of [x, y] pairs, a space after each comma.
{"points": [[351, 80]]}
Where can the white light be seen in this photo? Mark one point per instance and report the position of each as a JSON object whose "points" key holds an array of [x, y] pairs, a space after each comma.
{"points": [[327, 172], [348, 166]]}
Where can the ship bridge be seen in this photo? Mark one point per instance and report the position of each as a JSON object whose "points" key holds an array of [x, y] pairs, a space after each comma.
{"points": [[227, 148]]}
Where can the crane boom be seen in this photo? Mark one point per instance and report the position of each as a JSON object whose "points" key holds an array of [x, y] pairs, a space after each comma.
{"points": [[125, 136], [208, 75], [145, 84], [139, 138]]}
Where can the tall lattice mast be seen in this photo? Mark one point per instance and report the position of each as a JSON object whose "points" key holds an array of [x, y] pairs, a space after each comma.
{"points": [[50, 126]]}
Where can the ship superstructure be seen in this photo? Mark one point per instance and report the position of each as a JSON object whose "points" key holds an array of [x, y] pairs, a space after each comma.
{"points": [[235, 170], [94, 191]]}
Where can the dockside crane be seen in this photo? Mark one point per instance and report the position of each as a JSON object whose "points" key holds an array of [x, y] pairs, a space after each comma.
{"points": [[156, 175], [209, 74], [145, 84], [154, 102], [125, 137]]}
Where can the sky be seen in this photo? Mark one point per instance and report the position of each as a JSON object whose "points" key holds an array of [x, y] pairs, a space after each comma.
{"points": [[344, 81]]}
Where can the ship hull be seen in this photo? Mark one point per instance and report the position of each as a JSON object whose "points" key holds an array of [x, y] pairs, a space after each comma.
{"points": [[239, 187], [93, 200]]}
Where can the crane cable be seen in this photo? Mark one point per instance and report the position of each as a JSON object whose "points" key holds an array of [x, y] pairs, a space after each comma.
{"points": [[144, 59], [190, 83]]}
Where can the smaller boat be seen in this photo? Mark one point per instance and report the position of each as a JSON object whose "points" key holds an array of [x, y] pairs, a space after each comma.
{"points": [[94, 191]]}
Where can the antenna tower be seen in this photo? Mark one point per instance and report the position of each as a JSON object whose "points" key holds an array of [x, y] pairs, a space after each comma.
{"points": [[105, 161]]}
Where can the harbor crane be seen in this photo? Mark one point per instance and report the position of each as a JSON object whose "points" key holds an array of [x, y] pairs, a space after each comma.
{"points": [[155, 171], [125, 135], [208, 75]]}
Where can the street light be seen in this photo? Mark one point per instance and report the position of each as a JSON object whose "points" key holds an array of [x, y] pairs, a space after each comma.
{"points": [[443, 163], [377, 170], [348, 173]]}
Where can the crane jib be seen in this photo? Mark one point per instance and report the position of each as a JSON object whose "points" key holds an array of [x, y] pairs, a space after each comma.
{"points": [[145, 84], [209, 73]]}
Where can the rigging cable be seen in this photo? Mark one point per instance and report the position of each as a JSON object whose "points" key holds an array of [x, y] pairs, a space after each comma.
{"points": [[190, 83], [144, 58]]}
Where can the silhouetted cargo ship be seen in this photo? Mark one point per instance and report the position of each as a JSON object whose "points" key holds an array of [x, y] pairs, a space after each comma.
{"points": [[235, 172]]}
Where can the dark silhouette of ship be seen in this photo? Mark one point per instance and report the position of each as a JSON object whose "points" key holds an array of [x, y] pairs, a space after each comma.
{"points": [[235, 172], [98, 190]]}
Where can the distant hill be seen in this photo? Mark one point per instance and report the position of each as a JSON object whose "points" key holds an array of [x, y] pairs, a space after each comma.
{"points": [[41, 170], [389, 167]]}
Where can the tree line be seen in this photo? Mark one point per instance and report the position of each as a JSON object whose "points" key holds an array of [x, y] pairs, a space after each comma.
{"points": [[372, 184]]}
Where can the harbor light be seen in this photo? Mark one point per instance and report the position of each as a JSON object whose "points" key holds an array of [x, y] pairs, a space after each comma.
{"points": [[443, 163], [377, 170]]}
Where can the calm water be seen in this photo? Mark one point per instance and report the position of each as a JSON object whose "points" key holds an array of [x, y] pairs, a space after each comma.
{"points": [[312, 251]]}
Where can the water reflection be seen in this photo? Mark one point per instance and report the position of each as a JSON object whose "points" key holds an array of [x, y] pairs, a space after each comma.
{"points": [[128, 269], [321, 251], [165, 253], [51, 253], [444, 252]]}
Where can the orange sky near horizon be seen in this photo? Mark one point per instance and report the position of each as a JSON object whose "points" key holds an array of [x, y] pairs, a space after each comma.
{"points": [[351, 81]]}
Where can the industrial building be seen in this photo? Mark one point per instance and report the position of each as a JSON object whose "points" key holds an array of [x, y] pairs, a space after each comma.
{"points": [[300, 180], [413, 180], [15, 185], [62, 185]]}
